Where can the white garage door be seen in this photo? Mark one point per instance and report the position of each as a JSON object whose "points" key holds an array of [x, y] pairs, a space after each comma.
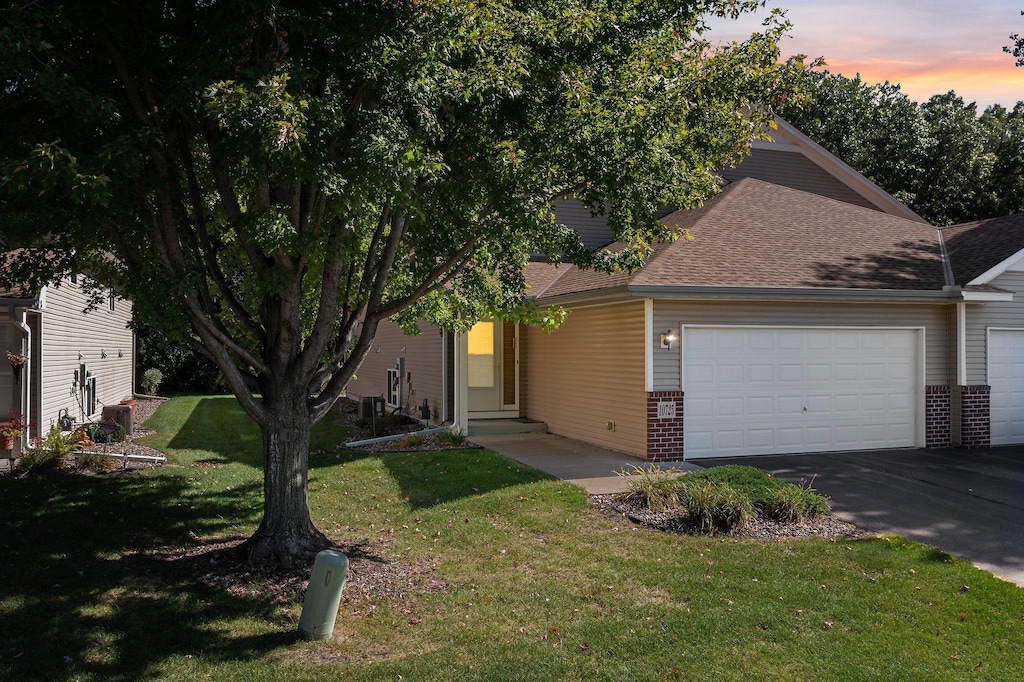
{"points": [[1006, 377], [755, 391]]}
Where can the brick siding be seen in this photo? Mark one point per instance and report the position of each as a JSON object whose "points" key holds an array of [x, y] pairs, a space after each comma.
{"points": [[975, 415], [665, 435], [937, 413]]}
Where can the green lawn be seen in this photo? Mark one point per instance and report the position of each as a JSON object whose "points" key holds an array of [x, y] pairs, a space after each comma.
{"points": [[537, 585]]}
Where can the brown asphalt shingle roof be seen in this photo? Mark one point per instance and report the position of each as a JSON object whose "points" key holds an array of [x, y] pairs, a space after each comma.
{"points": [[975, 247], [756, 234]]}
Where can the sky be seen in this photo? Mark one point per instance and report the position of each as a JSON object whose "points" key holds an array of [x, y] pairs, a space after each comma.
{"points": [[928, 47]]}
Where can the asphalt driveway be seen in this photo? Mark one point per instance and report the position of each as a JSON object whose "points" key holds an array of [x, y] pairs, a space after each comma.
{"points": [[969, 503]]}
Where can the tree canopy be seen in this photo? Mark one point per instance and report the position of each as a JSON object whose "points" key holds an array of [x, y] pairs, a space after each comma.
{"points": [[267, 180], [939, 157]]}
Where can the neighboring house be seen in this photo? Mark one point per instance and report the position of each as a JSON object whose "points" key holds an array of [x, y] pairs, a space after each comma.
{"points": [[811, 312], [79, 360]]}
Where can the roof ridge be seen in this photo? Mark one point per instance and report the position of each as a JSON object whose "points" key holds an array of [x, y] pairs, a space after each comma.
{"points": [[569, 266]]}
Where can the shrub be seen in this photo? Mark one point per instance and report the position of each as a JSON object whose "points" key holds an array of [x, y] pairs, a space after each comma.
{"points": [[38, 459], [651, 488], [715, 507], [410, 441], [96, 460], [451, 438], [151, 379]]}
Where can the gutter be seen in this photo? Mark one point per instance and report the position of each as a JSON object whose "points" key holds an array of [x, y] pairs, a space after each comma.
{"points": [[795, 293]]}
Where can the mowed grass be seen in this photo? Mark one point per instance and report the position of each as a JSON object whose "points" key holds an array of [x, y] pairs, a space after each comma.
{"points": [[539, 585]]}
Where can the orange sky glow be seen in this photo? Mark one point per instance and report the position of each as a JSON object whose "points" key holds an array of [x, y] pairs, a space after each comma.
{"points": [[928, 47]]}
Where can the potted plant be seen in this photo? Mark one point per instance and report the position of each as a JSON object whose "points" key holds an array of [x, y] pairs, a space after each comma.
{"points": [[11, 431], [17, 359]]}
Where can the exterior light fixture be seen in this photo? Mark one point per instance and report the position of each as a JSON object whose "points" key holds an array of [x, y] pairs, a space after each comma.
{"points": [[668, 339]]}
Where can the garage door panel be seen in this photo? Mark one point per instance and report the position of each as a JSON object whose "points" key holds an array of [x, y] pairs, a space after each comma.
{"points": [[1006, 377], [818, 390]]}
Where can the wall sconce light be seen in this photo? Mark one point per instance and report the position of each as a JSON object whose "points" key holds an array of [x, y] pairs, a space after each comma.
{"points": [[103, 353], [120, 353], [668, 339]]}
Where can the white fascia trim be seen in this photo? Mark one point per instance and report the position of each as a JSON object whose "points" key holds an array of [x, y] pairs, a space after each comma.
{"points": [[854, 180], [974, 296], [998, 269], [961, 344]]}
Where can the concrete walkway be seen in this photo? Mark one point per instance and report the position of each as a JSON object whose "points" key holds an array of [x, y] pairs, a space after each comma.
{"points": [[588, 466]]}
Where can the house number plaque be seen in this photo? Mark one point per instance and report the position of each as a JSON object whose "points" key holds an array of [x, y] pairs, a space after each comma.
{"points": [[666, 409]]}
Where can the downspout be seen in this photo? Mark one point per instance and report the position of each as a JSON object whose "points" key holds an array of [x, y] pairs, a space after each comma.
{"points": [[26, 375]]}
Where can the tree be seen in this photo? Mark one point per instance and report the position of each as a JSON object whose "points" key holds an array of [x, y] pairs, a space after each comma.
{"points": [[876, 129], [1017, 49], [268, 180]]}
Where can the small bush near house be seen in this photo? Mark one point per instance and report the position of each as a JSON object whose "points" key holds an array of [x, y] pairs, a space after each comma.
{"points": [[151, 379], [95, 460], [715, 507], [651, 488], [411, 441], [453, 438]]}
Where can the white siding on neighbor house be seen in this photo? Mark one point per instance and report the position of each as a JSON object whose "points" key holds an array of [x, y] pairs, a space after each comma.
{"points": [[423, 361], [588, 372], [673, 314], [981, 316], [66, 332]]}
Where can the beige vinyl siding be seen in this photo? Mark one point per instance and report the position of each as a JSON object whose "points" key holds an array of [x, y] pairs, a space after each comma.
{"points": [[422, 361], [588, 372], [981, 316], [66, 332], [793, 169], [672, 314], [524, 357]]}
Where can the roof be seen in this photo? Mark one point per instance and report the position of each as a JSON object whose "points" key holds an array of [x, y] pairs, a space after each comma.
{"points": [[975, 248], [756, 234], [13, 292]]}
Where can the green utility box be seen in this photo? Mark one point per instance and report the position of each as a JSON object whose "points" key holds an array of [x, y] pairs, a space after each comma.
{"points": [[323, 596]]}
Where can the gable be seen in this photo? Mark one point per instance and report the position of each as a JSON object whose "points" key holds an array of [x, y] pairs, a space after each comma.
{"points": [[792, 169]]}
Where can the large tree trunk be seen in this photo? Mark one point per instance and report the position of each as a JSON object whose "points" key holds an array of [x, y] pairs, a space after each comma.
{"points": [[286, 534]]}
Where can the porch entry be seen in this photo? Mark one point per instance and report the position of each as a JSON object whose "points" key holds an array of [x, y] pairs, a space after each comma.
{"points": [[493, 370]]}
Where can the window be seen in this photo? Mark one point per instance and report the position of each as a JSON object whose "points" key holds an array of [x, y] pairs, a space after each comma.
{"points": [[394, 392], [482, 362], [110, 301], [73, 279]]}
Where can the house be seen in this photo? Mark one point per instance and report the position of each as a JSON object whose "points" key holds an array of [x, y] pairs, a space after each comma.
{"points": [[811, 312], [78, 359]]}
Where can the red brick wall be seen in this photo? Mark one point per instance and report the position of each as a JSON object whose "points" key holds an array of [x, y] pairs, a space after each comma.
{"points": [[937, 414], [664, 435], [975, 415]]}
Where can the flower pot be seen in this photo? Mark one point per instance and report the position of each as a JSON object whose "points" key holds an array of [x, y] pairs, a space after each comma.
{"points": [[6, 442]]}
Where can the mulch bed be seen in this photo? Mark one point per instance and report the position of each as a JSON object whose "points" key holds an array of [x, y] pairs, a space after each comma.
{"points": [[372, 578], [349, 411], [674, 521]]}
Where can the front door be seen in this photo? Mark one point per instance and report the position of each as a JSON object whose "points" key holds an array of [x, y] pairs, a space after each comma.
{"points": [[492, 368]]}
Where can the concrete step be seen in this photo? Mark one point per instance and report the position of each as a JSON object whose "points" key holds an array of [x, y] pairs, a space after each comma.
{"points": [[495, 427]]}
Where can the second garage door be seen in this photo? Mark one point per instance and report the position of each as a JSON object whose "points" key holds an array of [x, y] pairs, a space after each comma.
{"points": [[1006, 376], [755, 391]]}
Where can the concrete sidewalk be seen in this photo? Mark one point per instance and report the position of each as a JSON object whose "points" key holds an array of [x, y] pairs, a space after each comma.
{"points": [[588, 466]]}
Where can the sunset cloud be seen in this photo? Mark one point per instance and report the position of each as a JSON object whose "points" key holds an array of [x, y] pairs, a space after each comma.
{"points": [[926, 47]]}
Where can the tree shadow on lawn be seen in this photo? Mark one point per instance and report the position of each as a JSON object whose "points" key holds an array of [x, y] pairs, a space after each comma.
{"points": [[436, 477], [217, 424], [92, 587]]}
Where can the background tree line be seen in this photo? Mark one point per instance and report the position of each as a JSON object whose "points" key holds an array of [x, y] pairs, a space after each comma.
{"points": [[939, 157]]}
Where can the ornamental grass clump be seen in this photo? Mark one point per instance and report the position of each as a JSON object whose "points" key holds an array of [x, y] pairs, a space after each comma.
{"points": [[651, 488], [715, 507]]}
